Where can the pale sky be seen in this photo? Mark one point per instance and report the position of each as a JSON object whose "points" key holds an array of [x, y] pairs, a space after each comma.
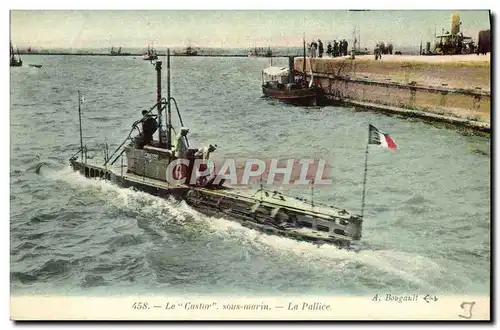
{"points": [[209, 28]]}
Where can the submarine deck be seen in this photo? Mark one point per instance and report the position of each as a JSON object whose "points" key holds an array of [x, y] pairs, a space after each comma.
{"points": [[266, 197], [273, 202]]}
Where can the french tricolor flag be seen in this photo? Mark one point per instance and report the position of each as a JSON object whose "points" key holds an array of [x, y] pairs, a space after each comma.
{"points": [[382, 139]]}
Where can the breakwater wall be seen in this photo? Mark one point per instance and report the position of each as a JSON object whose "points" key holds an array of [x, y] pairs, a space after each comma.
{"points": [[451, 89], [140, 55]]}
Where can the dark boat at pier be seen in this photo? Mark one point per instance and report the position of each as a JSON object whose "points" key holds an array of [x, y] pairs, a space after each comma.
{"points": [[13, 60], [291, 86], [35, 65], [146, 168], [297, 93]]}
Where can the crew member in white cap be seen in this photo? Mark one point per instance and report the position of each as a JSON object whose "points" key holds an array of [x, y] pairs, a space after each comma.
{"points": [[181, 143], [204, 152]]}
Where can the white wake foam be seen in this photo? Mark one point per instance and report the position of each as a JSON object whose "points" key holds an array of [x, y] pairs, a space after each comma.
{"points": [[408, 266]]}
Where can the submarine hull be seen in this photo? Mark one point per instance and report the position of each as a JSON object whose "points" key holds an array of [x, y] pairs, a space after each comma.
{"points": [[262, 215]]}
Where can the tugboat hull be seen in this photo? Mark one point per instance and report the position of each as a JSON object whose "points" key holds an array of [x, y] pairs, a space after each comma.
{"points": [[304, 96]]}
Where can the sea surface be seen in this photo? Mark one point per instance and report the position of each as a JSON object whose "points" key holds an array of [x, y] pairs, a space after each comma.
{"points": [[427, 218]]}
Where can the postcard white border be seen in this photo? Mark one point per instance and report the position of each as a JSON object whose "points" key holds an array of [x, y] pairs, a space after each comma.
{"points": [[256, 4], [367, 308]]}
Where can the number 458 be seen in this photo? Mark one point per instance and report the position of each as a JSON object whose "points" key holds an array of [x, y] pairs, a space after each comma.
{"points": [[140, 305]]}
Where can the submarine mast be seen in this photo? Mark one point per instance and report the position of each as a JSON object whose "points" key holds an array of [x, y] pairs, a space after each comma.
{"points": [[158, 99], [169, 110], [80, 123]]}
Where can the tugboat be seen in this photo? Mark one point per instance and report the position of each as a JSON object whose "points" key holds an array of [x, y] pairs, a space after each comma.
{"points": [[13, 60], [147, 160], [291, 86]]}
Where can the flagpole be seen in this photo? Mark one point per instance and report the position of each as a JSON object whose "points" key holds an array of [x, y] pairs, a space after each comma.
{"points": [[364, 181], [261, 187], [312, 193]]}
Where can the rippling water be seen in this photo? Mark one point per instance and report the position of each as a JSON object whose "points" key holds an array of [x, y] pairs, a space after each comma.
{"points": [[427, 216]]}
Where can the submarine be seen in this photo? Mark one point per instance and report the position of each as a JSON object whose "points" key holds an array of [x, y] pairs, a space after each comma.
{"points": [[141, 161]]}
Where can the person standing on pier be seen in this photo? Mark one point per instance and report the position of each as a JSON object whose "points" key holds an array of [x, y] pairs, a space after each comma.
{"points": [[335, 48], [378, 52], [314, 46], [346, 47], [329, 49], [320, 48]]}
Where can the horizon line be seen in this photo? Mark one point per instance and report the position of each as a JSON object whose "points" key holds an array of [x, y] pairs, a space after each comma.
{"points": [[166, 47]]}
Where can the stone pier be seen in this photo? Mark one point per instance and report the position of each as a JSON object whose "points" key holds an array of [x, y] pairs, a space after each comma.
{"points": [[453, 89]]}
